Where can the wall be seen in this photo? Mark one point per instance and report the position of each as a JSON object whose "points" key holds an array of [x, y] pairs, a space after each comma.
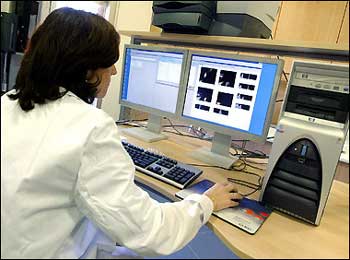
{"points": [[318, 21], [344, 30], [5, 6], [131, 16]]}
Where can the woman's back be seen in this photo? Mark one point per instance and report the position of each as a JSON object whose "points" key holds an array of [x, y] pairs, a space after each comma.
{"points": [[39, 171]]}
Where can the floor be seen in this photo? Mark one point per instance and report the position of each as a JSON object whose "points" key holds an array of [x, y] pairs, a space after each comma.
{"points": [[206, 245]]}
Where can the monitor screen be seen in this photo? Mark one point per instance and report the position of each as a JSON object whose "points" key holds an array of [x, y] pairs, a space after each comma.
{"points": [[151, 78], [233, 93]]}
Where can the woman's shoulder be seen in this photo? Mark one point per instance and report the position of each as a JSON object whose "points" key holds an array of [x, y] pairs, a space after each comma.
{"points": [[74, 106]]}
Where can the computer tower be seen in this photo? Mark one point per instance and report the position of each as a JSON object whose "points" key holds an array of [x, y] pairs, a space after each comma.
{"points": [[307, 146]]}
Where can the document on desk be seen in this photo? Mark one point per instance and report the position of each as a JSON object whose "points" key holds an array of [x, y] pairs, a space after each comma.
{"points": [[248, 216]]}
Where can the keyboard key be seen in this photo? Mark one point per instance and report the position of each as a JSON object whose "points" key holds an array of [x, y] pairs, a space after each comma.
{"points": [[171, 177], [183, 180]]}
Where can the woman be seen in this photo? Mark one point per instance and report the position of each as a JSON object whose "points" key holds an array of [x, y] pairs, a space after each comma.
{"points": [[67, 184]]}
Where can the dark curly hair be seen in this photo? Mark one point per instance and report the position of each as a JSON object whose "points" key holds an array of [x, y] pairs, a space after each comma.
{"points": [[62, 50]]}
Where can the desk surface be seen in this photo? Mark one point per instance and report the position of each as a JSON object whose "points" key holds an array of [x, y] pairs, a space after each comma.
{"points": [[281, 236]]}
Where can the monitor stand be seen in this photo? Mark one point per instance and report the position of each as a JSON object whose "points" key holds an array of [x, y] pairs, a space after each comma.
{"points": [[150, 134], [219, 155]]}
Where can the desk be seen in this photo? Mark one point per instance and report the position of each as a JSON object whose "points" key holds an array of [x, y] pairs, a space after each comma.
{"points": [[281, 236]]}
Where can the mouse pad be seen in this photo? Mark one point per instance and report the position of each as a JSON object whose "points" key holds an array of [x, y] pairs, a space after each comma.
{"points": [[248, 216]]}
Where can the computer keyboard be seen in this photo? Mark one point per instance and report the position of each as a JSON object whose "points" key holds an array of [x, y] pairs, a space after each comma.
{"points": [[161, 167]]}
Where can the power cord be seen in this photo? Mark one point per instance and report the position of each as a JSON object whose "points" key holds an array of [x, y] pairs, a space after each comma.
{"points": [[241, 167], [172, 125], [245, 184], [130, 121]]}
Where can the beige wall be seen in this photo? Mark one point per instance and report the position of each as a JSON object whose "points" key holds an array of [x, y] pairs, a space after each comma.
{"points": [[5, 6], [317, 21], [132, 16]]}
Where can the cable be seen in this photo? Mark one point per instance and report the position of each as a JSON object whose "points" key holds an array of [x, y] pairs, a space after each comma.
{"points": [[192, 136], [254, 167], [186, 126], [248, 153], [174, 127], [260, 178], [199, 136], [245, 184], [242, 181], [133, 124], [284, 73], [256, 162], [237, 167], [128, 121], [204, 165], [243, 169], [195, 131], [250, 193]]}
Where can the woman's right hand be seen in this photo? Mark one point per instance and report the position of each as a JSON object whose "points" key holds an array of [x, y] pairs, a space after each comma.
{"points": [[224, 195]]}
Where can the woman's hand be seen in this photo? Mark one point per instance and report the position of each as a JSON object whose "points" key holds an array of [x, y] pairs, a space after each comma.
{"points": [[224, 195]]}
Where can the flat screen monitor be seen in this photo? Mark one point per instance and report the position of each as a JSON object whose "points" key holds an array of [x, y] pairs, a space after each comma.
{"points": [[151, 79], [233, 95]]}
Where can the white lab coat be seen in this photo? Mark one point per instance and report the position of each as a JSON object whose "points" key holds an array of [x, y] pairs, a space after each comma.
{"points": [[67, 188]]}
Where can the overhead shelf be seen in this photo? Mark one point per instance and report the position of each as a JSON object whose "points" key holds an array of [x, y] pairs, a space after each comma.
{"points": [[315, 50]]}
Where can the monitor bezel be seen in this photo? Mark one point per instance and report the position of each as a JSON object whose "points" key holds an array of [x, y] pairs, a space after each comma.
{"points": [[147, 109], [236, 133]]}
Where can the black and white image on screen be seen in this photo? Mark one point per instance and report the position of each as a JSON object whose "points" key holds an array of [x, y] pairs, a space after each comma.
{"points": [[246, 86], [244, 97], [248, 76], [227, 78], [242, 106], [221, 111], [208, 75], [202, 107], [204, 94], [224, 99]]}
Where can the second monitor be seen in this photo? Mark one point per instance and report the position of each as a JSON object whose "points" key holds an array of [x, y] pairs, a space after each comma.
{"points": [[232, 95], [151, 80]]}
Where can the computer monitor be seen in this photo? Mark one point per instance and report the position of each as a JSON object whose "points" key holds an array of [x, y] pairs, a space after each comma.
{"points": [[150, 82], [232, 95]]}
